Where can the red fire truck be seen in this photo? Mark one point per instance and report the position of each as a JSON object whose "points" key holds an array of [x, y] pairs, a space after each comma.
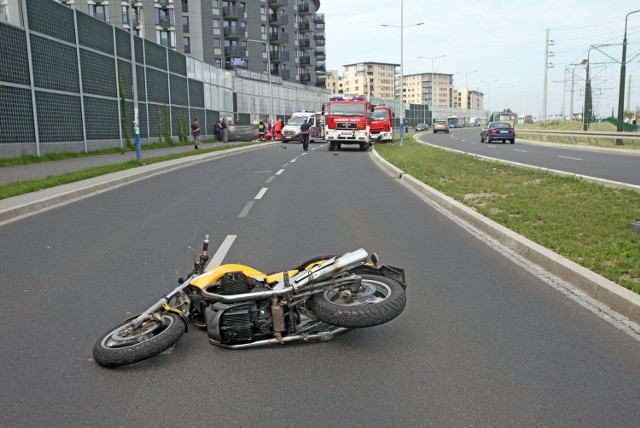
{"points": [[382, 124], [348, 121]]}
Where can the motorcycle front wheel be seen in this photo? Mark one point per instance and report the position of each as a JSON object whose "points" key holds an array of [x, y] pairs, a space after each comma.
{"points": [[127, 345], [378, 300]]}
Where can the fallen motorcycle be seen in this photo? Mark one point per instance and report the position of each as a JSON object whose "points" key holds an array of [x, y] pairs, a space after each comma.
{"points": [[241, 307]]}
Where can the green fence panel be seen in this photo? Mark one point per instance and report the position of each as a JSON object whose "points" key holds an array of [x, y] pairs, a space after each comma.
{"points": [[179, 94], [158, 86], [16, 118], [155, 55], [55, 65], [95, 34], [196, 93], [98, 74], [101, 118], [59, 117], [52, 19], [13, 55]]}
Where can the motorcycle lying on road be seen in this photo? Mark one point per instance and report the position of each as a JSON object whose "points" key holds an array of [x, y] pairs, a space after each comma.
{"points": [[241, 307]]}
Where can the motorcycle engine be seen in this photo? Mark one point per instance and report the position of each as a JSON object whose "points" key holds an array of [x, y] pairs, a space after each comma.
{"points": [[239, 322]]}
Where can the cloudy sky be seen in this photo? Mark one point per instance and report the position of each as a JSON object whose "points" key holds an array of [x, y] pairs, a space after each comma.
{"points": [[501, 42]]}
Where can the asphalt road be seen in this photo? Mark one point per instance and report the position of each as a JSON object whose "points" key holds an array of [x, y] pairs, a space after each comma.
{"points": [[483, 340], [621, 167]]}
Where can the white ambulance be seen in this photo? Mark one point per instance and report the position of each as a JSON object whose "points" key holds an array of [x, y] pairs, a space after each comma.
{"points": [[291, 130]]}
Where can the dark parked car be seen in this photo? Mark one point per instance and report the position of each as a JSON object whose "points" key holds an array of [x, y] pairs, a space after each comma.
{"points": [[498, 131], [422, 127]]}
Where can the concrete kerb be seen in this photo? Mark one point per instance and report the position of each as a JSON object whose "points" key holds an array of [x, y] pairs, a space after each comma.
{"points": [[608, 292], [12, 209]]}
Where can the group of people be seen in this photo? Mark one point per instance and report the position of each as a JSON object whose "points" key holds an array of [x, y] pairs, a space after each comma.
{"points": [[275, 130], [219, 129], [269, 130]]}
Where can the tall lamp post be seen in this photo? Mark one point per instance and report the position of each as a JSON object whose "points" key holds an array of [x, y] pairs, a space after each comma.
{"points": [[623, 67], [466, 86], [268, 48], [489, 98], [134, 77], [433, 103], [402, 27]]}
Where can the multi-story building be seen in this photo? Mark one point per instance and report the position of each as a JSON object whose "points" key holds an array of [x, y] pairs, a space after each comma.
{"points": [[373, 79], [242, 35], [468, 99], [421, 89], [334, 82]]}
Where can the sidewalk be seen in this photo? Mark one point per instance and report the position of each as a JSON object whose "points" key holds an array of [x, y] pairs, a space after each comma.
{"points": [[39, 170]]}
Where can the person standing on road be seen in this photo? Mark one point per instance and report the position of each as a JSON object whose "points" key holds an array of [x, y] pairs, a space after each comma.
{"points": [[195, 128], [218, 130], [278, 129], [225, 133], [304, 135], [262, 129]]}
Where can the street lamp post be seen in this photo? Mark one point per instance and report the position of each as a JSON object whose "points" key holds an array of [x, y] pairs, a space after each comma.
{"points": [[134, 77], [402, 27], [622, 77], [268, 48], [466, 87], [489, 97], [433, 104]]}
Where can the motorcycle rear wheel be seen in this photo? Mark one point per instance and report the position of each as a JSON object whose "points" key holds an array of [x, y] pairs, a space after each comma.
{"points": [[124, 345], [379, 300]]}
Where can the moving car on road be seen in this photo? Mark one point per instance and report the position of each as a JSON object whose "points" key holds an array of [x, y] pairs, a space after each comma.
{"points": [[422, 127], [495, 131], [440, 126]]}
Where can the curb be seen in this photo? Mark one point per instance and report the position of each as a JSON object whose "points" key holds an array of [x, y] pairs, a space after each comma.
{"points": [[18, 207], [615, 296]]}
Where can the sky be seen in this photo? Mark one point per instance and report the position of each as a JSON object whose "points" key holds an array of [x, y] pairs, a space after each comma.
{"points": [[497, 48]]}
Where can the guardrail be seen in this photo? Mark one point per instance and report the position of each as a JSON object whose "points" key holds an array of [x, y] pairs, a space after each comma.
{"points": [[599, 139]]}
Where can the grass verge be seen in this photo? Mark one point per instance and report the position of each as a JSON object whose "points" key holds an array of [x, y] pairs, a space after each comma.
{"points": [[585, 222]]}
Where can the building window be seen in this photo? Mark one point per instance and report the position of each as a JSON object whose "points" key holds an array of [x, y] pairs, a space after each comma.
{"points": [[185, 5], [216, 23], [166, 38], [99, 11], [186, 44], [185, 24], [217, 63], [216, 43], [164, 17]]}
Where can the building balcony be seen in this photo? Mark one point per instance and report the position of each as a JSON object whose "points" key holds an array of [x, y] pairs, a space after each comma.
{"points": [[284, 74], [165, 22], [278, 20], [233, 12], [278, 38], [279, 56], [278, 3], [318, 35], [306, 9], [321, 69], [320, 42], [305, 60], [305, 27], [234, 32], [319, 26], [305, 44], [305, 78], [321, 56], [235, 51], [318, 18]]}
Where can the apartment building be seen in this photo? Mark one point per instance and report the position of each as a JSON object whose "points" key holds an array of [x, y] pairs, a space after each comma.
{"points": [[286, 37], [373, 79], [432, 89], [468, 99]]}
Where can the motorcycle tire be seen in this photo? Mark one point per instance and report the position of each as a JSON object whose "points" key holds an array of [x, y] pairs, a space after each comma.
{"points": [[379, 300], [122, 346]]}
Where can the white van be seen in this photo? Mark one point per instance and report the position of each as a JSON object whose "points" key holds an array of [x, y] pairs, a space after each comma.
{"points": [[474, 121], [291, 130]]}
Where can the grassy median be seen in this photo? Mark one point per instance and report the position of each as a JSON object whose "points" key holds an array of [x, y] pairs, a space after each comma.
{"points": [[585, 222]]}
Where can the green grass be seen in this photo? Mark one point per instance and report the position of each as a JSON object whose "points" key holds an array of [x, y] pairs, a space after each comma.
{"points": [[585, 222], [15, 189]]}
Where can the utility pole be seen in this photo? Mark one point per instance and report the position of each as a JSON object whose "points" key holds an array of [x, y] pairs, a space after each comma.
{"points": [[134, 77], [623, 66]]}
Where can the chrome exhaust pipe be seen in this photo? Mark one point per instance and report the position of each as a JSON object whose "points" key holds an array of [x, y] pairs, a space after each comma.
{"points": [[324, 336]]}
